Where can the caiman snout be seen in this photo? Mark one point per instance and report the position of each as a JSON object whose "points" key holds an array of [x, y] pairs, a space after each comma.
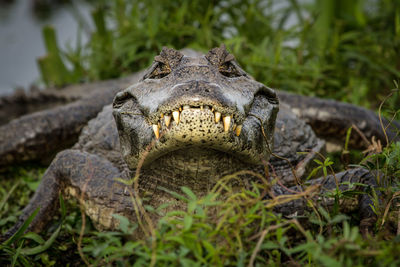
{"points": [[203, 88]]}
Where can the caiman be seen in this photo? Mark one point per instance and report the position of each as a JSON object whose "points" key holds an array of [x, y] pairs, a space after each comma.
{"points": [[189, 121]]}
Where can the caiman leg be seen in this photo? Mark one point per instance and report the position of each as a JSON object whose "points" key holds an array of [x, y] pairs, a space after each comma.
{"points": [[362, 205], [85, 174], [330, 119]]}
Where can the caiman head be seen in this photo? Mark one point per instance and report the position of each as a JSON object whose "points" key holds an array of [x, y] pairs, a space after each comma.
{"points": [[206, 109]]}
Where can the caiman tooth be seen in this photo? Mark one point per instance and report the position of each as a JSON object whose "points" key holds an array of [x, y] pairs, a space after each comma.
{"points": [[217, 116], [227, 123], [201, 107], [167, 119], [238, 130], [156, 130], [186, 107], [162, 115], [175, 115], [180, 108], [234, 127]]}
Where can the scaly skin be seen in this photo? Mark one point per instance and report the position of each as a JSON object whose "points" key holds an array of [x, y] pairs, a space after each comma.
{"points": [[22, 102], [40, 135], [330, 120], [193, 150]]}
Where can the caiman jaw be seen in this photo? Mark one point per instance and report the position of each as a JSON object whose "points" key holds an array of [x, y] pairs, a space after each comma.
{"points": [[200, 127], [227, 120]]}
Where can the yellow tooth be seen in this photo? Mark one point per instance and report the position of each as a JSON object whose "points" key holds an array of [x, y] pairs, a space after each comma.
{"points": [[167, 119], [156, 131], [175, 115], [162, 115], [227, 123], [234, 127], [201, 107], [212, 109], [180, 108], [238, 130], [217, 116]]}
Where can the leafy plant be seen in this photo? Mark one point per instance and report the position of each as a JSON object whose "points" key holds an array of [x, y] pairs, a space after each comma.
{"points": [[346, 50], [14, 248]]}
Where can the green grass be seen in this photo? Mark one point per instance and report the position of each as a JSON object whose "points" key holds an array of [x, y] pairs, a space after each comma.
{"points": [[347, 50], [226, 227]]}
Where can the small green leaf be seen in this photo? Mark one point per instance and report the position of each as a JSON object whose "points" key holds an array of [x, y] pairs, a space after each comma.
{"points": [[325, 171], [17, 253], [17, 235], [176, 239], [149, 208], [44, 246], [189, 193], [318, 161], [123, 223], [172, 193], [187, 222], [209, 247], [35, 237], [192, 206]]}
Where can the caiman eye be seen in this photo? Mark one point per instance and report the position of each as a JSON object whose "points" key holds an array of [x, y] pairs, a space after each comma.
{"points": [[160, 70], [229, 69]]}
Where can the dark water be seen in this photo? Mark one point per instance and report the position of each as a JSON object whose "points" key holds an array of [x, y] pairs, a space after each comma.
{"points": [[21, 39]]}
